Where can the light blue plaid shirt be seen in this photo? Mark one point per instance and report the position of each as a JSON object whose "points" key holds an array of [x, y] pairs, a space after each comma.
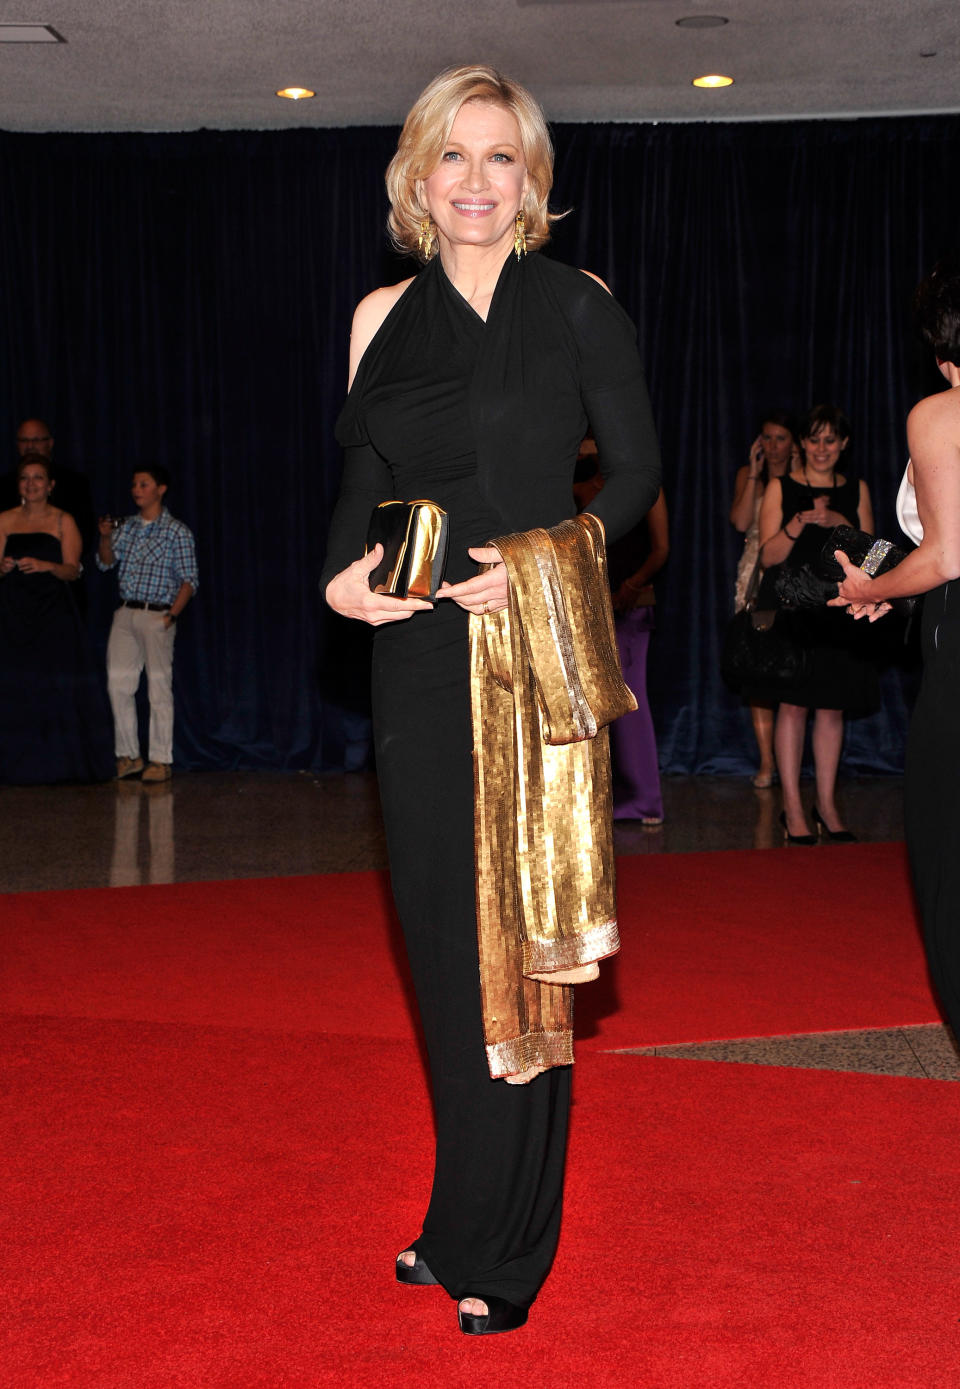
{"points": [[155, 558]]}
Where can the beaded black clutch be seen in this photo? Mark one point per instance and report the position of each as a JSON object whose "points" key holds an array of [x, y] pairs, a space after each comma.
{"points": [[812, 586]]}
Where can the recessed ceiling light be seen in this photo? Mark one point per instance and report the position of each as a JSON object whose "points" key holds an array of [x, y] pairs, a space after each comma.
{"points": [[296, 93], [701, 21], [29, 33], [713, 79]]}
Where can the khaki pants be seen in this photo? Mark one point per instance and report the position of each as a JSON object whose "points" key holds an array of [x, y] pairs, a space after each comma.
{"points": [[140, 639]]}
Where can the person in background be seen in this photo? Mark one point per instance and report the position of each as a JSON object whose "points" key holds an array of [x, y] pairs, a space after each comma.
{"points": [[54, 717], [796, 513], [73, 490], [928, 508], [158, 577], [772, 454], [633, 561]]}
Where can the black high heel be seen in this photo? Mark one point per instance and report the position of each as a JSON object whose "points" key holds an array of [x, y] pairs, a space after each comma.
{"points": [[500, 1316], [417, 1274], [789, 838], [835, 836]]}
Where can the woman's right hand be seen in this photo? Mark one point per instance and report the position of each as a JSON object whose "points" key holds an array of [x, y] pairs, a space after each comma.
{"points": [[755, 461], [7, 565], [349, 594]]}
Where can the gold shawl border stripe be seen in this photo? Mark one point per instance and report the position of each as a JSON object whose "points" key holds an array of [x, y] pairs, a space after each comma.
{"points": [[519, 1054], [593, 944]]}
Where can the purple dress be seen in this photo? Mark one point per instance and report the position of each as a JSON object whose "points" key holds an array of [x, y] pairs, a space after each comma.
{"points": [[633, 741]]}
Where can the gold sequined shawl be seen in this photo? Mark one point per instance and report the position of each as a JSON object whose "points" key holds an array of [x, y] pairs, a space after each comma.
{"points": [[545, 681]]}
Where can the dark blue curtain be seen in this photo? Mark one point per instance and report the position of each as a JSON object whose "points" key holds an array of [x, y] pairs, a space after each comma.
{"points": [[187, 299]]}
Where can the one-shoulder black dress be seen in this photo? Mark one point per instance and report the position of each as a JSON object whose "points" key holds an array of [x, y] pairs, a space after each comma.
{"points": [[55, 721], [484, 418]]}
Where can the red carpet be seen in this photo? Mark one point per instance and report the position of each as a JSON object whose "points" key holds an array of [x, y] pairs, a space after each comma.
{"points": [[220, 1137], [212, 1207], [715, 945]]}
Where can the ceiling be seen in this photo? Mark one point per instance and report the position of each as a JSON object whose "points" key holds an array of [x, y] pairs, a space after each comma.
{"points": [[185, 64]]}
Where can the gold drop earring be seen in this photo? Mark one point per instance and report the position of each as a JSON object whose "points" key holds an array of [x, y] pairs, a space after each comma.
{"points": [[520, 236], [425, 239]]}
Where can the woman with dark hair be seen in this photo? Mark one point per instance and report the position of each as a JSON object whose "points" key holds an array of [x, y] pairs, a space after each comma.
{"points": [[928, 508], [54, 717], [797, 511], [771, 455], [472, 384]]}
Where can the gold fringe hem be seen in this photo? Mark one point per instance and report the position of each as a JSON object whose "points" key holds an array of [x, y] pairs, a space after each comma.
{"points": [[548, 956], [537, 1049]]}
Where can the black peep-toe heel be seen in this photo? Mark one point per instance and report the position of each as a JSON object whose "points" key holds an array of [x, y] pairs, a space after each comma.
{"points": [[416, 1274], [500, 1316]]}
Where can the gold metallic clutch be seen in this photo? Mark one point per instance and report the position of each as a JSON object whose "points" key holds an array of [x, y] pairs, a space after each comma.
{"points": [[414, 540]]}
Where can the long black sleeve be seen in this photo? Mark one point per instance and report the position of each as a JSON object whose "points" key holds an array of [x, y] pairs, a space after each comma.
{"points": [[366, 482]]}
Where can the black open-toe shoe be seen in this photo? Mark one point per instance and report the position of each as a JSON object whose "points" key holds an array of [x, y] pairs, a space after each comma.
{"points": [[500, 1316], [835, 836], [416, 1273]]}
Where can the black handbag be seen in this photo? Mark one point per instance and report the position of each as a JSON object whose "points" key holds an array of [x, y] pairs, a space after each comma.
{"points": [[414, 538], [759, 648], [812, 586]]}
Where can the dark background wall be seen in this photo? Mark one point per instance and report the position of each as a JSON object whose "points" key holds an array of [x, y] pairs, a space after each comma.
{"points": [[187, 299]]}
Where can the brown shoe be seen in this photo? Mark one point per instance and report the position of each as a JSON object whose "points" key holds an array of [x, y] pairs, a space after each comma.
{"points": [[128, 766], [157, 771]]}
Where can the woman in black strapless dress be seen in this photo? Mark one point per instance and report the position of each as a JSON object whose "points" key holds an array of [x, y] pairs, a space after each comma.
{"points": [[929, 511], [796, 514], [472, 386], [55, 722]]}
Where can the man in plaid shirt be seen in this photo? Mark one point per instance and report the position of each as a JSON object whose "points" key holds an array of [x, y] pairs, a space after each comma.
{"points": [[158, 577]]}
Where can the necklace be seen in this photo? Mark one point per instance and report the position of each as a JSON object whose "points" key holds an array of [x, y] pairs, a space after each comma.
{"points": [[822, 485]]}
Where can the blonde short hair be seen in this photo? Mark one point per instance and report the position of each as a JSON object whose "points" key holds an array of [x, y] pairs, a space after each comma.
{"points": [[427, 130]]}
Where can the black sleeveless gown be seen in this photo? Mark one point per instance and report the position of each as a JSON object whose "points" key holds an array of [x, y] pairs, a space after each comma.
{"points": [[840, 673], [421, 412], [932, 794], [55, 721]]}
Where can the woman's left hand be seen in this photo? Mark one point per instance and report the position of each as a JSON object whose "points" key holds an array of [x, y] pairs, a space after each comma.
{"points": [[487, 591], [820, 514], [853, 594], [28, 565]]}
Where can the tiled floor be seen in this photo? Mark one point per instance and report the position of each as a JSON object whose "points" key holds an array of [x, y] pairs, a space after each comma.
{"points": [[208, 826]]}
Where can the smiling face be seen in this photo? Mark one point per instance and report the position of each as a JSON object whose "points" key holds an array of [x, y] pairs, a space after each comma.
{"points": [[822, 450], [474, 194], [33, 483]]}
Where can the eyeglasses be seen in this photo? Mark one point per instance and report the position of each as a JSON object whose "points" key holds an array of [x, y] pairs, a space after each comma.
{"points": [[34, 439]]}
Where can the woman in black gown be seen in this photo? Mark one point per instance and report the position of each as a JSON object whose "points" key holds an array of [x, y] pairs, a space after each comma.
{"points": [[55, 722], [929, 511], [796, 512], [472, 385]]}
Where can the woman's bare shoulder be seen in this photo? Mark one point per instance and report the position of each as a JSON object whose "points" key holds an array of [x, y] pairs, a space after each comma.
{"points": [[937, 412], [602, 283], [369, 315]]}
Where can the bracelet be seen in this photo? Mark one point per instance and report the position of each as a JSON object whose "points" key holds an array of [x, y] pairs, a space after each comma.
{"points": [[788, 535]]}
